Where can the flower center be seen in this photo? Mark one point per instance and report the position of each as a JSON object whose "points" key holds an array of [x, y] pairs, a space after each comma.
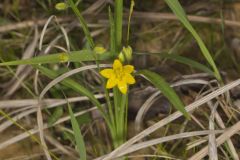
{"points": [[119, 73]]}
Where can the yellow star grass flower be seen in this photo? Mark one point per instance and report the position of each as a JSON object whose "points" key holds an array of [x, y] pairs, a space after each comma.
{"points": [[120, 75]]}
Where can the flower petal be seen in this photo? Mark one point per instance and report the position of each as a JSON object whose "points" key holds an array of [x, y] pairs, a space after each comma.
{"points": [[107, 73], [128, 68], [122, 86], [111, 82], [128, 78], [117, 64]]}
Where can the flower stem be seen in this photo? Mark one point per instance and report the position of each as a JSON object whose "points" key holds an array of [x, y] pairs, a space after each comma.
{"points": [[118, 23]]}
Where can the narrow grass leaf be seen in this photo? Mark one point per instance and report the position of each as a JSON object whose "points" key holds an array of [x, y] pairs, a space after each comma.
{"points": [[179, 12], [75, 56], [118, 23], [187, 61], [117, 102], [57, 113], [129, 20], [78, 135], [82, 22], [167, 91], [112, 34]]}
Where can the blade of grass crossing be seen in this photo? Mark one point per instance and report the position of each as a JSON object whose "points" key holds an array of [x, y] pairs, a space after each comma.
{"points": [[165, 88], [78, 135], [179, 12], [181, 59], [75, 56], [82, 22], [188, 62], [112, 34]]}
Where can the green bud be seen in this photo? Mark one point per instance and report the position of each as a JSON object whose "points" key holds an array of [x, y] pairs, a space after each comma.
{"points": [[63, 57], [125, 54], [99, 49], [61, 6]]}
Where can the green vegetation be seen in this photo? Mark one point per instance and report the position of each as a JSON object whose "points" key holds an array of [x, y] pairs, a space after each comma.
{"points": [[82, 88]]}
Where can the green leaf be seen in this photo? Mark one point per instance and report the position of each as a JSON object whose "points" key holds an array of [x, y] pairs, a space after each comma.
{"points": [[112, 34], [75, 56], [129, 20], [181, 15], [118, 23], [82, 22], [57, 113], [84, 119], [166, 90], [67, 135], [78, 135], [188, 62]]}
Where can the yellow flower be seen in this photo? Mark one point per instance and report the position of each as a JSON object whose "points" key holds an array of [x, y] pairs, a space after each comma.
{"points": [[120, 75]]}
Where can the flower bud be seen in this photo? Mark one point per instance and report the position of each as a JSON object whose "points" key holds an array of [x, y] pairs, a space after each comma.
{"points": [[63, 57], [61, 6], [99, 49], [125, 54]]}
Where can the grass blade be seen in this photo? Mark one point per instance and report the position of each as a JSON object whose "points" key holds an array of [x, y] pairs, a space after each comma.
{"points": [[167, 91], [57, 113], [75, 56], [112, 34], [78, 135], [83, 23], [129, 20], [179, 12], [183, 60], [188, 61], [118, 23]]}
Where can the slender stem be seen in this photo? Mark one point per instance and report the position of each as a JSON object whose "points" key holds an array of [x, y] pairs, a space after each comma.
{"points": [[109, 117], [118, 23], [112, 34], [129, 20], [116, 105], [126, 119], [110, 108], [122, 114]]}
